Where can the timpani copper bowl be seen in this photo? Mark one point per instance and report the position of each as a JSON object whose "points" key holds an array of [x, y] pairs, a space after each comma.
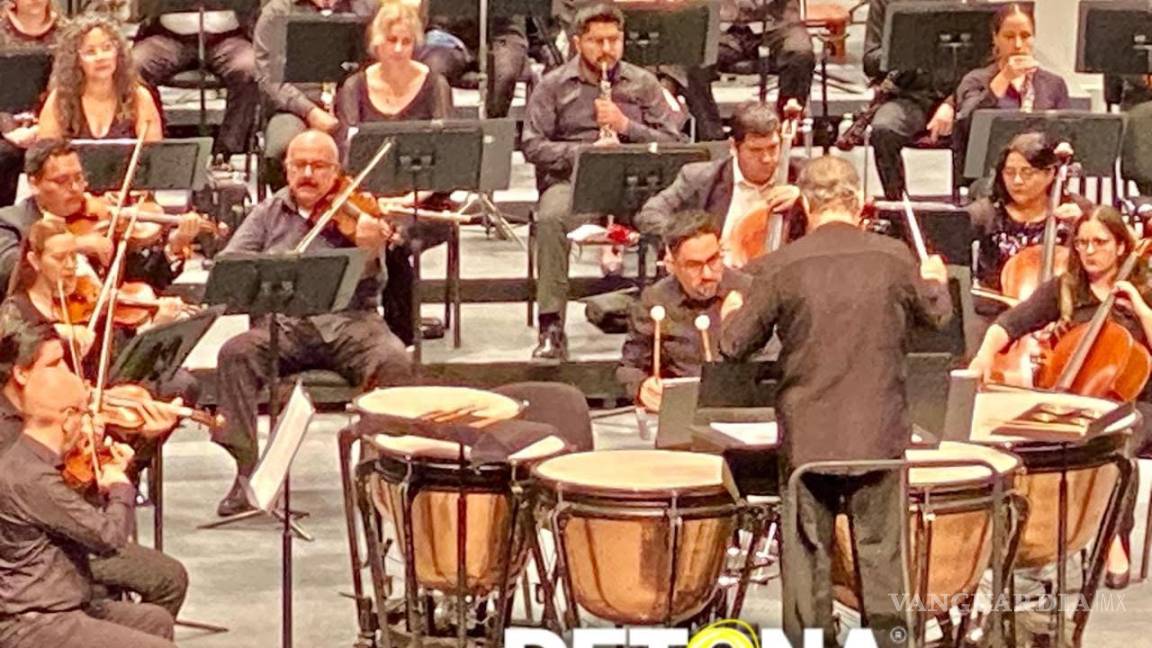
{"points": [[951, 518], [417, 482], [640, 534]]}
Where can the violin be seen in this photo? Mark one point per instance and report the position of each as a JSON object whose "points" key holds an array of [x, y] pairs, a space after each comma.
{"points": [[87, 458], [344, 218], [123, 405], [151, 221], [1100, 358]]}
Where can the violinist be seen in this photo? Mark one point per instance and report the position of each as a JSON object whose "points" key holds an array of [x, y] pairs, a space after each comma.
{"points": [[1102, 243], [398, 88], [355, 342], [733, 187], [58, 187], [48, 530], [31, 24], [32, 363], [1013, 217], [95, 91]]}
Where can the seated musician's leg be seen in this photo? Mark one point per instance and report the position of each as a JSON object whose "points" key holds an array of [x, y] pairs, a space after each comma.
{"points": [[794, 60], [397, 295], [147, 627], [701, 103], [241, 370], [11, 166], [368, 355], [234, 60], [894, 125], [159, 56], [156, 577], [281, 128], [509, 56], [553, 222], [448, 61]]}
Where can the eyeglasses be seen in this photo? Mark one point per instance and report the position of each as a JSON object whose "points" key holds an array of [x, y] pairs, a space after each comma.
{"points": [[300, 166], [1083, 244], [1024, 173], [712, 263]]}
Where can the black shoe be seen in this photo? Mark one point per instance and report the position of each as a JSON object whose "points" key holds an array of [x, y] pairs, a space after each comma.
{"points": [[1114, 581], [552, 345], [235, 502], [431, 328]]}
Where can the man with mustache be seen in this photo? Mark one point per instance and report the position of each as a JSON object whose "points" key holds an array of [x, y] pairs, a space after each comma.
{"points": [[354, 342]]}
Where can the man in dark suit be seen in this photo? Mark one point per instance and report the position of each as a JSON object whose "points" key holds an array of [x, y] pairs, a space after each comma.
{"points": [[731, 187]]}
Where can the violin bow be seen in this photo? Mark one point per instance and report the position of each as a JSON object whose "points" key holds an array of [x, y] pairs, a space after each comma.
{"points": [[73, 349], [129, 178], [914, 229], [343, 198]]}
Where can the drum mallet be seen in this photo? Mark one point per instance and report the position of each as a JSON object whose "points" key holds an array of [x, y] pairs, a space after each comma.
{"points": [[703, 322], [658, 314]]}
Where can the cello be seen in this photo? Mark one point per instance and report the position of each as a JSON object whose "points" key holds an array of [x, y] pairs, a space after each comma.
{"points": [[1022, 275], [761, 231], [1100, 358]]}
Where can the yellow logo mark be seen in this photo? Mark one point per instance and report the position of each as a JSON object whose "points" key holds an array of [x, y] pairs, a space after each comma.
{"points": [[733, 633]]}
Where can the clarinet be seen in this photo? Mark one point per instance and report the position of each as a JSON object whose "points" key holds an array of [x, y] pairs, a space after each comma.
{"points": [[606, 132], [853, 136]]}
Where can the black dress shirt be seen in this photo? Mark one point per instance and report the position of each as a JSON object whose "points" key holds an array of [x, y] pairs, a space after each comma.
{"points": [[11, 423], [48, 530], [681, 345], [842, 302], [975, 92], [561, 116]]}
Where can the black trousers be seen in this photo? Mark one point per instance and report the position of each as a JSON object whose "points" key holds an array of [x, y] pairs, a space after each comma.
{"points": [[104, 624], [228, 56], [398, 292], [11, 166], [507, 57], [363, 350], [896, 123], [790, 56], [874, 504], [154, 576]]}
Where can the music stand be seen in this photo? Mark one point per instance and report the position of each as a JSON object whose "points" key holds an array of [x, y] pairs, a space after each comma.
{"points": [[153, 9], [170, 164], [944, 39], [319, 49], [295, 285], [33, 67], [684, 33], [1096, 137], [425, 156], [618, 180], [1114, 37]]}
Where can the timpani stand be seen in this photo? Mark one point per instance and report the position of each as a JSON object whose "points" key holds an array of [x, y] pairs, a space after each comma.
{"points": [[955, 490], [1078, 463], [419, 469]]}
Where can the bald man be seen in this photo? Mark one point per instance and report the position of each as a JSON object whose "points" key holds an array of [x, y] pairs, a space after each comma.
{"points": [[354, 342]]}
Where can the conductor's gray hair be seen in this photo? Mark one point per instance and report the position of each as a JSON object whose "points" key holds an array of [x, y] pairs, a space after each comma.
{"points": [[828, 182]]}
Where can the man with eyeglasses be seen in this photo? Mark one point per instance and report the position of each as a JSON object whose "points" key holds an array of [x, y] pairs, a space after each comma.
{"points": [[697, 284], [58, 188], [57, 543], [354, 342]]}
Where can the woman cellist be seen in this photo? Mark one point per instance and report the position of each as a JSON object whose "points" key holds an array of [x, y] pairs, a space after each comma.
{"points": [[1013, 217], [1102, 243]]}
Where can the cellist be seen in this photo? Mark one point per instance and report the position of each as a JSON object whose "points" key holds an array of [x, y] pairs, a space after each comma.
{"points": [[1102, 243]]}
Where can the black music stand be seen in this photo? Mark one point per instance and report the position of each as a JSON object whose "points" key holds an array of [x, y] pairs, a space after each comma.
{"points": [[294, 285], [1096, 137], [32, 67], [170, 164], [618, 180], [944, 39], [153, 9], [425, 156], [319, 49], [1115, 37], [151, 358]]}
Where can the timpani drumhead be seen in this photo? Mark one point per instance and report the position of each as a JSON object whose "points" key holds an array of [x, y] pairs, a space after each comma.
{"points": [[417, 401], [414, 447], [635, 473], [951, 451]]}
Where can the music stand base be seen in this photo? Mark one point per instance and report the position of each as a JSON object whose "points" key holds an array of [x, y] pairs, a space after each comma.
{"points": [[297, 530], [206, 627]]}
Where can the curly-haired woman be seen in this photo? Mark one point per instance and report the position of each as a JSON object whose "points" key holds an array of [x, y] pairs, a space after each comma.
{"points": [[95, 91]]}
